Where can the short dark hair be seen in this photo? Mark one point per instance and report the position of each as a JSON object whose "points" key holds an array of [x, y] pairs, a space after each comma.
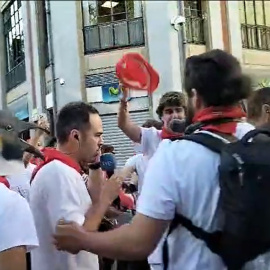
{"points": [[170, 99], [256, 101], [74, 115], [152, 123], [217, 77]]}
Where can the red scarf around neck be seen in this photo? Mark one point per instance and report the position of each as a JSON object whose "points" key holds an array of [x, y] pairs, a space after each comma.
{"points": [[4, 181], [51, 154], [166, 134], [214, 113]]}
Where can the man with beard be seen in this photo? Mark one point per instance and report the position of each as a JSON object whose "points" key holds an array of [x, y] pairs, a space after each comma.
{"points": [[172, 105], [182, 176], [58, 189]]}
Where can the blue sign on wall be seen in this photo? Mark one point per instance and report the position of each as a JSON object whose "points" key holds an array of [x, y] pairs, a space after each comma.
{"points": [[111, 93], [19, 107]]}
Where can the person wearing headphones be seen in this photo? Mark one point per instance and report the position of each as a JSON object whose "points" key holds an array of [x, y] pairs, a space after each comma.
{"points": [[58, 189]]}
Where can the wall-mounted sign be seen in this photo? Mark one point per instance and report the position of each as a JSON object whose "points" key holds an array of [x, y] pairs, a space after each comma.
{"points": [[111, 93], [264, 83], [19, 107]]}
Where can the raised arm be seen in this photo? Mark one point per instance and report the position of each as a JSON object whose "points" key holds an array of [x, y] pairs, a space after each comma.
{"points": [[132, 130], [35, 140]]}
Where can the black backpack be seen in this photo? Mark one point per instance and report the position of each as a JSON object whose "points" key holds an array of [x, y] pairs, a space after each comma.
{"points": [[244, 179]]}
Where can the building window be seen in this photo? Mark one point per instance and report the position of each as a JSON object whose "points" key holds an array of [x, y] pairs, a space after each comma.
{"points": [[255, 24], [194, 22], [14, 44], [112, 24]]}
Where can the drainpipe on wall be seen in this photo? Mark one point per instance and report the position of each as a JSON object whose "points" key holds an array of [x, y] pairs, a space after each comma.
{"points": [[51, 57], [3, 83], [41, 57], [182, 41], [31, 54]]}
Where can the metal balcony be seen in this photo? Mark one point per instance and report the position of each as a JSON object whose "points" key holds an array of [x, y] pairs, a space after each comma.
{"points": [[118, 34]]}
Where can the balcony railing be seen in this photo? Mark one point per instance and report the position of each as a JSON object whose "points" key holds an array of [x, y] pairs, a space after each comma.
{"points": [[255, 37], [16, 76], [195, 30], [113, 35]]}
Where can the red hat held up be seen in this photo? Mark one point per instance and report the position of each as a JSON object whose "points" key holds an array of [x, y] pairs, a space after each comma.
{"points": [[134, 72]]}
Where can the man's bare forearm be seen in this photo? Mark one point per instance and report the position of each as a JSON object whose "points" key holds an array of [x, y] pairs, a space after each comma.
{"points": [[127, 126], [128, 242], [13, 259], [128, 247], [94, 216]]}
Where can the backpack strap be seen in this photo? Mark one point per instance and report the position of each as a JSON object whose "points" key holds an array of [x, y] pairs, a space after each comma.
{"points": [[211, 142], [211, 239]]}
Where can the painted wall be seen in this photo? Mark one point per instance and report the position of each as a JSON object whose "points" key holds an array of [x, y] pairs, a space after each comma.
{"points": [[65, 35]]}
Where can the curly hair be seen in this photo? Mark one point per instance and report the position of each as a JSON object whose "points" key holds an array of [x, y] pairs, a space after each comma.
{"points": [[256, 101], [171, 99]]}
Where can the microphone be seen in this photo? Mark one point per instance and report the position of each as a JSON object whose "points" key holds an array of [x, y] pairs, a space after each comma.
{"points": [[108, 163], [178, 126]]}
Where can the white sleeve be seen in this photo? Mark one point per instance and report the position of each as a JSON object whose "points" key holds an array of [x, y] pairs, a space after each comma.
{"points": [[158, 198], [63, 198], [17, 227], [131, 162], [150, 139]]}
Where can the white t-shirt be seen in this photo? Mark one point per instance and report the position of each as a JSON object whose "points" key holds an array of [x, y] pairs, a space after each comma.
{"points": [[21, 182], [58, 191], [17, 227], [139, 163], [150, 139], [182, 177]]}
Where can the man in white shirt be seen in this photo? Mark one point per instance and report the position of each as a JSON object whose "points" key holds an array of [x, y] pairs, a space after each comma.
{"points": [[182, 176], [17, 230], [172, 105], [138, 163], [20, 182], [58, 190]]}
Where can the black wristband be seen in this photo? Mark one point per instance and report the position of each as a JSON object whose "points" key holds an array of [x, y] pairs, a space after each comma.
{"points": [[94, 166]]}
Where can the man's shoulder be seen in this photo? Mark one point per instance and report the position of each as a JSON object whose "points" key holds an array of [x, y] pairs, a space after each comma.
{"points": [[242, 128], [56, 171], [56, 166], [181, 151], [152, 130], [9, 198]]}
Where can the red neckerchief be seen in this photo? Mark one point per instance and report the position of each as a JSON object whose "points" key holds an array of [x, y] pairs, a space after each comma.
{"points": [[35, 160], [213, 113], [51, 154], [4, 181], [166, 134]]}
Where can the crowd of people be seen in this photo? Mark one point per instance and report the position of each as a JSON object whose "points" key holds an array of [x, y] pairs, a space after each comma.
{"points": [[65, 212]]}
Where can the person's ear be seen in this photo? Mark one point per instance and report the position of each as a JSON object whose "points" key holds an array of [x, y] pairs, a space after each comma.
{"points": [[266, 108], [266, 112], [196, 100]]}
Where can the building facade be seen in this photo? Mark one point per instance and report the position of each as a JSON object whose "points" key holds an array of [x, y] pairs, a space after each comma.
{"points": [[54, 52]]}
